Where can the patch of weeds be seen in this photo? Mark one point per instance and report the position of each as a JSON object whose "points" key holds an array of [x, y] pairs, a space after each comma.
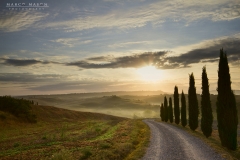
{"points": [[124, 149], [109, 134], [107, 154], [105, 145], [62, 155], [124, 134], [135, 142], [86, 153], [2, 136], [98, 130], [53, 137], [140, 136], [16, 145], [3, 117], [44, 137], [63, 132]]}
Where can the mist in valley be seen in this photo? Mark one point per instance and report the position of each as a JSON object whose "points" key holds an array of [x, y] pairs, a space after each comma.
{"points": [[142, 104], [138, 104]]}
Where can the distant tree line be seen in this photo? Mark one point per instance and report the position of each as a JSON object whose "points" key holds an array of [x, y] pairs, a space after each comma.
{"points": [[20, 108], [226, 106]]}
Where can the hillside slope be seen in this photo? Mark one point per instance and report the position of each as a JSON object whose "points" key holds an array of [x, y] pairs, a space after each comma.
{"points": [[66, 134]]}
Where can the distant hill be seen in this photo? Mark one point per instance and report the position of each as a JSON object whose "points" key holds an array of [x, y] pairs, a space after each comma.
{"points": [[236, 92], [53, 114], [49, 113], [97, 94], [125, 105]]}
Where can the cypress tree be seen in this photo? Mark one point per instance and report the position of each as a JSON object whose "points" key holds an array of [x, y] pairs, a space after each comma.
{"points": [[176, 106], [170, 110], [183, 110], [192, 104], [162, 112], [165, 109], [206, 108], [226, 106]]}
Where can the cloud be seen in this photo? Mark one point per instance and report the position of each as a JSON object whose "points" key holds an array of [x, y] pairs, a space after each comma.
{"points": [[12, 21], [125, 44], [101, 58], [133, 61], [203, 52], [125, 17], [71, 42], [208, 51], [228, 13], [73, 85], [28, 77], [24, 62], [55, 82]]}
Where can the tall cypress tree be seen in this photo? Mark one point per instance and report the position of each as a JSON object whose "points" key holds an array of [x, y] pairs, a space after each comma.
{"points": [[162, 113], [226, 106], [170, 110], [206, 108], [183, 110], [192, 104], [165, 109], [176, 106]]}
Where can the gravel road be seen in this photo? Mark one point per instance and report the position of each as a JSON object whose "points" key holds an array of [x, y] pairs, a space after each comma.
{"points": [[171, 143]]}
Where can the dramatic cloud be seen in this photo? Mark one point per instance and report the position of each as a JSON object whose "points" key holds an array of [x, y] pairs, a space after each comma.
{"points": [[24, 62], [208, 51], [114, 40], [134, 61]]}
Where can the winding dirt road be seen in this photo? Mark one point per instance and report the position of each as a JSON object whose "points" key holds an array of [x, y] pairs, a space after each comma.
{"points": [[171, 143]]}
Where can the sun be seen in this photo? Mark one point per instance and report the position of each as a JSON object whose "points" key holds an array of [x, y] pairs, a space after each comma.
{"points": [[150, 74]]}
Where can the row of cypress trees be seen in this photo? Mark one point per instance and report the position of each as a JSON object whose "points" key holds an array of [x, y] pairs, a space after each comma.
{"points": [[166, 111], [226, 106], [206, 108]]}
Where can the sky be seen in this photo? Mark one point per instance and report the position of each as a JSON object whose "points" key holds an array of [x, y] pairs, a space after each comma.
{"points": [[79, 46]]}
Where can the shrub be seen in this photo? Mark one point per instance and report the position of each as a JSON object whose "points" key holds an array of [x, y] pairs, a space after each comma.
{"points": [[18, 107]]}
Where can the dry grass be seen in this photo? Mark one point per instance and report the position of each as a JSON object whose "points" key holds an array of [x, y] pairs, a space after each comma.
{"points": [[65, 134]]}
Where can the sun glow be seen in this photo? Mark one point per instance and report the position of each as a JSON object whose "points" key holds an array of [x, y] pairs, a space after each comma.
{"points": [[150, 74]]}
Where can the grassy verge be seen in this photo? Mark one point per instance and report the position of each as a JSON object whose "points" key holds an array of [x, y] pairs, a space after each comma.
{"points": [[212, 141], [58, 137]]}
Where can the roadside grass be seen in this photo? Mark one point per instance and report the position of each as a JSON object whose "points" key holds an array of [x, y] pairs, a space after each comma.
{"points": [[213, 141], [64, 134]]}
